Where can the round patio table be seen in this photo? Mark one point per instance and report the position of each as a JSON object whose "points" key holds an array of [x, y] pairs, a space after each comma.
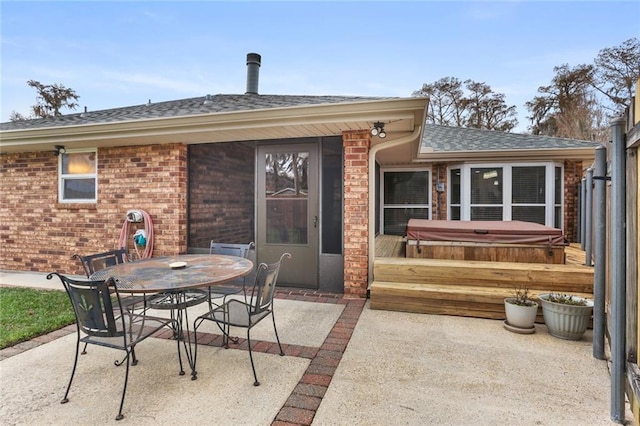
{"points": [[175, 283]]}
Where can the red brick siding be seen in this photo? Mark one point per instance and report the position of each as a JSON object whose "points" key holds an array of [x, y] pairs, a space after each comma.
{"points": [[356, 208], [572, 176], [438, 199], [221, 193], [40, 234]]}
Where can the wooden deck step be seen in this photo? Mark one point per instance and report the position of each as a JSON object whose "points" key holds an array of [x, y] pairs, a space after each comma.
{"points": [[471, 301], [508, 275], [468, 288]]}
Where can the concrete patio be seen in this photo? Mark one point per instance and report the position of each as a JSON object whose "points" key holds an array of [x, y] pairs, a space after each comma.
{"points": [[346, 365]]}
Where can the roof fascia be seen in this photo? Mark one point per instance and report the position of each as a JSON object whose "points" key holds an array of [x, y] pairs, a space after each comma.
{"points": [[392, 109], [510, 155]]}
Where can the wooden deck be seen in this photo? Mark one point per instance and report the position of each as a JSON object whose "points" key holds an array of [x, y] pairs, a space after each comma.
{"points": [[467, 288]]}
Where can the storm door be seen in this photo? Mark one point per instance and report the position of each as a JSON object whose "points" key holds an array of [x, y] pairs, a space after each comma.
{"points": [[287, 211]]}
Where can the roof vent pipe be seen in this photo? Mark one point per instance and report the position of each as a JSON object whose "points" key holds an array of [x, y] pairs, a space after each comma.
{"points": [[253, 71]]}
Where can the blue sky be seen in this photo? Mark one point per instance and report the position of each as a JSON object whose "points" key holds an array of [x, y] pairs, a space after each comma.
{"points": [[119, 53]]}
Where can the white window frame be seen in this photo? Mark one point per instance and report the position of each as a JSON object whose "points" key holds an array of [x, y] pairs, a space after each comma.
{"points": [[507, 177], [427, 206], [62, 177]]}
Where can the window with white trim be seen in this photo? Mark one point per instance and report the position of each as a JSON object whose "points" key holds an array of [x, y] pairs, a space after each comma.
{"points": [[406, 194], [78, 176], [530, 192]]}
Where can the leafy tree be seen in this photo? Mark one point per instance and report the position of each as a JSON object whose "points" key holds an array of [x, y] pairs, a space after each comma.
{"points": [[480, 107], [50, 100]]}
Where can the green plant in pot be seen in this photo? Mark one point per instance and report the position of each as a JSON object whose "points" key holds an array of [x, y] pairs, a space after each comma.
{"points": [[521, 311], [567, 316]]}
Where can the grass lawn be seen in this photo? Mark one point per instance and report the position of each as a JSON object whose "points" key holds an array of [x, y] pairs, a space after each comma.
{"points": [[26, 313]]}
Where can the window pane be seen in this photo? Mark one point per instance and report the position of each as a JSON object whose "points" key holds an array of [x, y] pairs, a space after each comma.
{"points": [[486, 213], [79, 189], [406, 187], [79, 163], [455, 213], [287, 174], [454, 179], [529, 214], [528, 185], [486, 186], [557, 217], [395, 220], [287, 194], [558, 186]]}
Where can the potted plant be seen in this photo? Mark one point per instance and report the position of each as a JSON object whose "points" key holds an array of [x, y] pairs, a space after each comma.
{"points": [[521, 311], [566, 315]]}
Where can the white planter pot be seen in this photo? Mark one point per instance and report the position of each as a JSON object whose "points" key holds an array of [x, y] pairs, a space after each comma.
{"points": [[522, 317], [566, 321]]}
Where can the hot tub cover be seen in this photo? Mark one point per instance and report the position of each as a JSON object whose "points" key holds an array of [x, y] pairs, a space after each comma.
{"points": [[482, 231]]}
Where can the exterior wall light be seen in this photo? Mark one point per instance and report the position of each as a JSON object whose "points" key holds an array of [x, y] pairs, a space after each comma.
{"points": [[59, 149], [378, 130]]}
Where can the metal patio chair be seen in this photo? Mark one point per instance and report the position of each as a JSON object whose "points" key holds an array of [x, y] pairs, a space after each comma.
{"points": [[103, 321], [234, 287], [248, 312], [97, 261]]}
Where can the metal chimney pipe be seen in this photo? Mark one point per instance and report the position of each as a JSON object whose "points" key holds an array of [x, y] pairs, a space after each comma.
{"points": [[253, 71]]}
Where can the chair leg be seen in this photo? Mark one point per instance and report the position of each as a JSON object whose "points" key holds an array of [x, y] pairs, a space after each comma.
{"points": [[120, 416], [255, 377], [275, 329], [73, 372], [84, 350]]}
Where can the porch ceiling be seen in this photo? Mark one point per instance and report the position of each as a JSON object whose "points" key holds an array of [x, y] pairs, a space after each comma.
{"points": [[399, 115]]}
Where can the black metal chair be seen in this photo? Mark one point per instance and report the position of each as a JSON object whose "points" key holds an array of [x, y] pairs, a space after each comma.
{"points": [[235, 287], [99, 322], [248, 312], [95, 262]]}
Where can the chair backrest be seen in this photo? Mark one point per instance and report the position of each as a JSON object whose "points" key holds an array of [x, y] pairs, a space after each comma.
{"points": [[264, 287], [93, 307], [98, 261], [241, 250]]}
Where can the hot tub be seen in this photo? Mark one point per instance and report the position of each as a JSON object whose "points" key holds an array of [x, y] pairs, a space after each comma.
{"points": [[501, 241]]}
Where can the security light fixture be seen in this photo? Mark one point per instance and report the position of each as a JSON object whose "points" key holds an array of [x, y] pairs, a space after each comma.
{"points": [[378, 130], [59, 149]]}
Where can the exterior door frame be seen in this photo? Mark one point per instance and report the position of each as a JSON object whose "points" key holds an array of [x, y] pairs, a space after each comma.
{"points": [[302, 269]]}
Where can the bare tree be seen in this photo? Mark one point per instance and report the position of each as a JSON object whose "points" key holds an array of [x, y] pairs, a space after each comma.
{"points": [[487, 109], [565, 107], [445, 101], [482, 108], [616, 71], [580, 100]]}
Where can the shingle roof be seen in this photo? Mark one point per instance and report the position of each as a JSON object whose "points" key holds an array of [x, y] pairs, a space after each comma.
{"points": [[453, 139], [184, 107]]}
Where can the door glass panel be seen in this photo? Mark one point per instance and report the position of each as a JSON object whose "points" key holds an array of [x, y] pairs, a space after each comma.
{"points": [[287, 197]]}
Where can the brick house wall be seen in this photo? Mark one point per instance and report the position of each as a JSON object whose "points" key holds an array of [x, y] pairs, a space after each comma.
{"points": [[439, 199], [40, 234], [221, 193], [356, 212], [573, 174]]}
